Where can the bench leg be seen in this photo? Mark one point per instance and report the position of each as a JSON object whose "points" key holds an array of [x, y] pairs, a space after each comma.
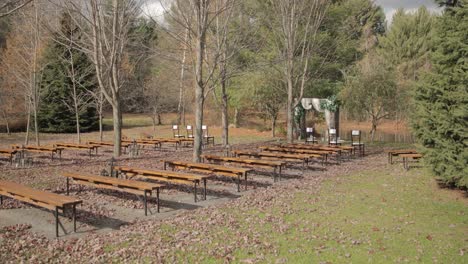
{"points": [[56, 222], [195, 191], [204, 189], [1, 200], [146, 203], [74, 218], [157, 198], [245, 179], [280, 171], [238, 182], [68, 186]]}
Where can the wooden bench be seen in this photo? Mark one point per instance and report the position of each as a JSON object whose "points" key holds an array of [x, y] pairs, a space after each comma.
{"points": [[324, 153], [406, 157], [167, 176], [276, 165], [41, 149], [175, 141], [124, 145], [145, 142], [128, 186], [90, 148], [211, 169], [9, 154], [48, 200], [398, 152], [304, 158]]}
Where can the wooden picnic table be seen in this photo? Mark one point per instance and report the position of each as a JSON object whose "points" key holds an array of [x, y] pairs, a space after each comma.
{"points": [[167, 176], [122, 185], [48, 200], [211, 169], [276, 165]]}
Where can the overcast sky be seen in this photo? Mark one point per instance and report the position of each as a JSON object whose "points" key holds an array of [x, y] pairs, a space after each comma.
{"points": [[154, 7], [391, 6]]}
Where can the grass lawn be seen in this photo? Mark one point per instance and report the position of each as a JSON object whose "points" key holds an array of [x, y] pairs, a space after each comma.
{"points": [[379, 215]]}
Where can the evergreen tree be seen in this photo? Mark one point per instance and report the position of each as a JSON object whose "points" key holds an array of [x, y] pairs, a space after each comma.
{"points": [[57, 113], [441, 120]]}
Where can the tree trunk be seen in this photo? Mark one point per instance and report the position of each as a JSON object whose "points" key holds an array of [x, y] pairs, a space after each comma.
{"points": [[197, 148], [117, 119], [7, 124], [373, 130], [180, 106], [36, 126], [224, 110], [273, 126], [159, 119], [77, 118], [236, 117], [101, 136], [28, 124], [289, 112]]}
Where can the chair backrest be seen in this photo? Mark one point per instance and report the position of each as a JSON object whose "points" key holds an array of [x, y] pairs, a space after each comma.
{"points": [[355, 136], [175, 130], [332, 136], [310, 134], [204, 130], [189, 131]]}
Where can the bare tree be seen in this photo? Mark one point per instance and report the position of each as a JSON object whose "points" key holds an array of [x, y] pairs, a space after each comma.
{"points": [[99, 102], [106, 42], [198, 16], [295, 24], [23, 59], [8, 7]]}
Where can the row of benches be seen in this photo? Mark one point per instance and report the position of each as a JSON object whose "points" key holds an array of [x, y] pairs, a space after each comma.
{"points": [[56, 202]]}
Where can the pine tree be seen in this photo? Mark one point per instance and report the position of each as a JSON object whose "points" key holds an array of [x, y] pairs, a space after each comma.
{"points": [[441, 120], [56, 113]]}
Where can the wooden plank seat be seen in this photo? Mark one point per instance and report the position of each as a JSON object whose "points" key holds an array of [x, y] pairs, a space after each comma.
{"points": [[167, 176], [144, 142], [41, 149], [122, 185], [88, 147], [124, 145], [398, 152], [276, 165], [324, 153], [410, 156], [334, 148], [304, 158], [47, 200], [175, 141], [211, 169], [9, 154]]}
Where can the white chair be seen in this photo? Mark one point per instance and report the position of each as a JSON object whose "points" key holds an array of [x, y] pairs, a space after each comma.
{"points": [[310, 138], [333, 137], [207, 139], [176, 132], [356, 142], [189, 131]]}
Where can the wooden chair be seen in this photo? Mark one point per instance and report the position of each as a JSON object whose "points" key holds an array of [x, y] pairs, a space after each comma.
{"points": [[207, 139], [356, 142], [310, 138], [190, 131], [176, 132], [333, 139]]}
